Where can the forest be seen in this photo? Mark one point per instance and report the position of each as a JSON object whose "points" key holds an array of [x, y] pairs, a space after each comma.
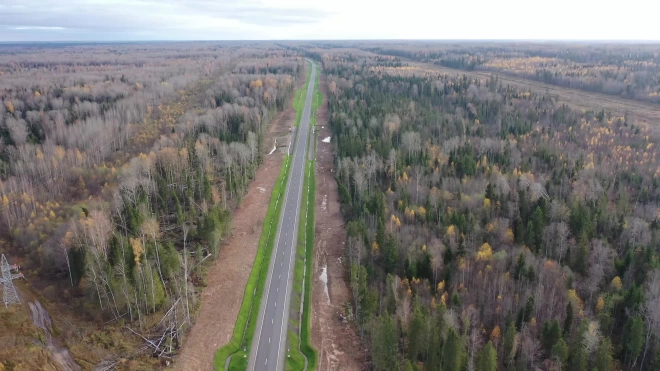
{"points": [[491, 228], [119, 168]]}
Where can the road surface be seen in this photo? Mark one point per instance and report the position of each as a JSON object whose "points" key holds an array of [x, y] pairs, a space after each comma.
{"points": [[269, 345]]}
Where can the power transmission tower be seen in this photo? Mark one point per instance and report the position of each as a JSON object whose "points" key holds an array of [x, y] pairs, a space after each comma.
{"points": [[10, 295]]}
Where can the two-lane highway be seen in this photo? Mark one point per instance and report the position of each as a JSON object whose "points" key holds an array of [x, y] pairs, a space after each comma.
{"points": [[268, 350]]}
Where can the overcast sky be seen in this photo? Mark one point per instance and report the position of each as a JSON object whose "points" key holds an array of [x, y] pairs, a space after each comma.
{"points": [[105, 20]]}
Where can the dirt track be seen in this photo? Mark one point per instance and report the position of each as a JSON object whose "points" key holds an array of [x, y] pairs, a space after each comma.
{"points": [[337, 343]]}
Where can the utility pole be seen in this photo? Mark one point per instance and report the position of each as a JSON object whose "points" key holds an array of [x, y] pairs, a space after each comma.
{"points": [[10, 295]]}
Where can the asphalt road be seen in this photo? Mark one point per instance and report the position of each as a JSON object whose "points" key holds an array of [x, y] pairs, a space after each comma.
{"points": [[269, 345]]}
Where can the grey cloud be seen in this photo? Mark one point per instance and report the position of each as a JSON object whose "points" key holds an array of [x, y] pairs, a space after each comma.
{"points": [[140, 17], [254, 13]]}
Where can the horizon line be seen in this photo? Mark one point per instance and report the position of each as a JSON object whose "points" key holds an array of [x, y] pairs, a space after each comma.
{"points": [[627, 41]]}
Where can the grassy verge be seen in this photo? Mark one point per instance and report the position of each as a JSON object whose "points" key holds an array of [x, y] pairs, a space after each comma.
{"points": [[306, 330], [248, 314], [318, 96], [299, 97]]}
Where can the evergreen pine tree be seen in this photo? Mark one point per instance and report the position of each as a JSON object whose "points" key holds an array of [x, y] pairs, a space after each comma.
{"points": [[568, 321], [604, 355], [384, 344], [509, 342], [633, 335], [390, 254], [452, 352], [582, 255], [487, 358], [550, 334], [559, 352], [520, 266], [538, 224], [578, 354]]}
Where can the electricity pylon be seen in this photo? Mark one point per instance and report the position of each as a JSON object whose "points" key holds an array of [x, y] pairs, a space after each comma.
{"points": [[10, 295]]}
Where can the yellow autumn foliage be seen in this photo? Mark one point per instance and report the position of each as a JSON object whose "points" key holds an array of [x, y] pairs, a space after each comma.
{"points": [[374, 248], [600, 304], [256, 84], [410, 213], [138, 249], [508, 237], [443, 298], [485, 252], [496, 334], [578, 305]]}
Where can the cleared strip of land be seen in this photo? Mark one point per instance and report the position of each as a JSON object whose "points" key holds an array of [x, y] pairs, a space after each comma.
{"points": [[580, 99]]}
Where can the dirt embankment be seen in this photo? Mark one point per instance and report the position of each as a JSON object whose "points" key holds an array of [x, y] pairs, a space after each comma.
{"points": [[226, 279], [337, 343]]}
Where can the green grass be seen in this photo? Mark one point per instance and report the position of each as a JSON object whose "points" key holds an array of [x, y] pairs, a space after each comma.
{"points": [[257, 279], [318, 96], [239, 362], [306, 331], [299, 98]]}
